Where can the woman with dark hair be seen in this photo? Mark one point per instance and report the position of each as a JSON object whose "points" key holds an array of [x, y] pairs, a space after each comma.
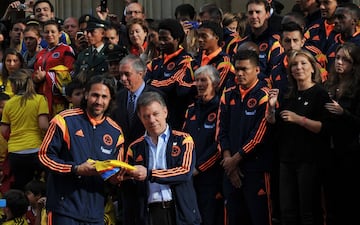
{"points": [[12, 61], [343, 86], [300, 126], [56, 57], [23, 124]]}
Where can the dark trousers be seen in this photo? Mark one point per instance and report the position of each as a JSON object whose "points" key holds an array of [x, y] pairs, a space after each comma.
{"points": [[210, 204], [299, 193], [56, 219], [162, 214], [24, 167], [250, 204]]}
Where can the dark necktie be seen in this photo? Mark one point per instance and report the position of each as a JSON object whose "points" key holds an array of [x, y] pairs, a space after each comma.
{"points": [[131, 107], [95, 53]]}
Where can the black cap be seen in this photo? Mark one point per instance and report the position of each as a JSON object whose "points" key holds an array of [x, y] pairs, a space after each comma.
{"points": [[115, 52], [94, 23]]}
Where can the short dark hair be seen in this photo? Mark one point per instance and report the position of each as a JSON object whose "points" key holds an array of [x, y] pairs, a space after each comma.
{"points": [[215, 13], [259, 2], [73, 85], [43, 1], [36, 187], [216, 29], [247, 55], [185, 9], [174, 27], [290, 27], [17, 202], [353, 8], [53, 22]]}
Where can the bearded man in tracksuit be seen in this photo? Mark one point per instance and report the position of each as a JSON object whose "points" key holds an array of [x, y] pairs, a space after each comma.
{"points": [[75, 190]]}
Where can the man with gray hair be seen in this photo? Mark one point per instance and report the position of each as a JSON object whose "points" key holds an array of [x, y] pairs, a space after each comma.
{"points": [[131, 72]]}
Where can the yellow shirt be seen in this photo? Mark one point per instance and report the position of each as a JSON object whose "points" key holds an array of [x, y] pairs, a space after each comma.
{"points": [[24, 126], [3, 148], [16, 221], [8, 88]]}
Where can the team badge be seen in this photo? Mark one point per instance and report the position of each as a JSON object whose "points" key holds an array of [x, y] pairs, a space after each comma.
{"points": [[263, 46], [251, 103], [56, 55], [107, 139], [170, 66], [211, 117], [175, 151]]}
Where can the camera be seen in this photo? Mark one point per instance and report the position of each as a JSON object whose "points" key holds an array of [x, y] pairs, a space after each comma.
{"points": [[103, 5], [21, 7], [79, 34], [194, 24]]}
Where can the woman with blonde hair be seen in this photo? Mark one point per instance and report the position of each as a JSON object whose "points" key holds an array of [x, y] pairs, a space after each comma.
{"points": [[23, 124], [137, 30], [302, 142]]}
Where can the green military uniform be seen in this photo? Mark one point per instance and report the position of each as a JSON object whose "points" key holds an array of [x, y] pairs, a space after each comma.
{"points": [[90, 63]]}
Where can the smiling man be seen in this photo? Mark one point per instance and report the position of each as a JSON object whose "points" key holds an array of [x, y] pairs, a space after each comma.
{"points": [[75, 190]]}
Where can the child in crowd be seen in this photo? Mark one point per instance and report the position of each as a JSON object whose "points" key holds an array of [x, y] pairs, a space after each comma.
{"points": [[74, 93], [35, 192], [15, 209]]}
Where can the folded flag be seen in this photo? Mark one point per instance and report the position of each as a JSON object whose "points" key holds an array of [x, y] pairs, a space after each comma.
{"points": [[108, 168]]}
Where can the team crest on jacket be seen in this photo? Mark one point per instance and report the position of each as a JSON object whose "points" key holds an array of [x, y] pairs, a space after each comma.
{"points": [[55, 55], [175, 151], [170, 66], [211, 117], [263, 46], [107, 139], [251, 103]]}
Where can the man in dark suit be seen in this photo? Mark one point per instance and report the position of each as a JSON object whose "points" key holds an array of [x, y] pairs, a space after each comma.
{"points": [[131, 74], [131, 71]]}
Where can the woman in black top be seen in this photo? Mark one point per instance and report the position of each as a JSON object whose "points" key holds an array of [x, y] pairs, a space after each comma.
{"points": [[301, 141], [343, 86]]}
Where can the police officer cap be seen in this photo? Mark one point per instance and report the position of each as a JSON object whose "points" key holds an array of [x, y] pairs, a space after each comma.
{"points": [[94, 23], [115, 52]]}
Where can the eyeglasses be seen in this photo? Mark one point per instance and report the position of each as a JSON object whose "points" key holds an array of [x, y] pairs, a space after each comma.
{"points": [[135, 12]]}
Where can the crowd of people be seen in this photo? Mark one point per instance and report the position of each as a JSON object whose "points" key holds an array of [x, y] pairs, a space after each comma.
{"points": [[223, 118]]}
